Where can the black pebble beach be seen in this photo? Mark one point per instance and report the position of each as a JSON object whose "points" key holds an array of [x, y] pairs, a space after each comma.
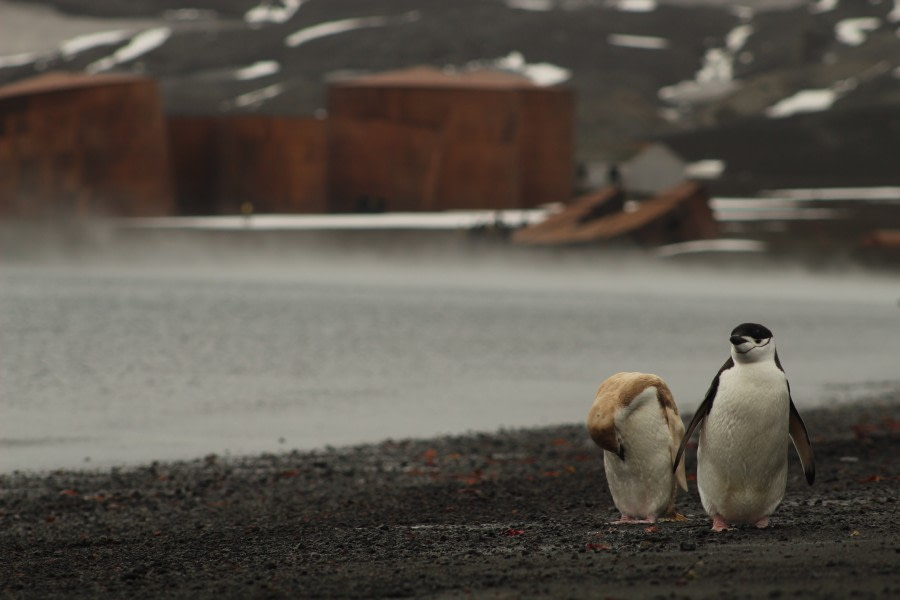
{"points": [[513, 514]]}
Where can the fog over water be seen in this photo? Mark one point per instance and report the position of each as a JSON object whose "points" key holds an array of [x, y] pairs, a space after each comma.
{"points": [[106, 362]]}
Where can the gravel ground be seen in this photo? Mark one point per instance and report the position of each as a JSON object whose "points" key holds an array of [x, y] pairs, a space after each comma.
{"points": [[512, 514]]}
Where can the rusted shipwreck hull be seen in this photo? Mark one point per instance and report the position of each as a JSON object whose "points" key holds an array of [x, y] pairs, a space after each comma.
{"points": [[681, 213]]}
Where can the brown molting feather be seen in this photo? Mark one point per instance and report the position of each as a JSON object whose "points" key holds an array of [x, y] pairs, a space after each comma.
{"points": [[614, 394], [627, 386], [666, 400], [617, 393]]}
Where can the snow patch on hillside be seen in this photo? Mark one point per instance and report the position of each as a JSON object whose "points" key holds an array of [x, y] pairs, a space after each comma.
{"points": [[822, 6], [139, 45], [269, 12], [710, 168], [635, 5], [853, 32], [76, 45], [18, 60], [894, 15], [823, 99], [255, 98], [803, 102], [262, 68], [329, 28], [543, 74], [715, 79], [737, 37]]}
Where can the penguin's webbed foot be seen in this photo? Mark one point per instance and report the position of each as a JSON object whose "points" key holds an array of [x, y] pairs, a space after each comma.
{"points": [[719, 524], [762, 523], [627, 520]]}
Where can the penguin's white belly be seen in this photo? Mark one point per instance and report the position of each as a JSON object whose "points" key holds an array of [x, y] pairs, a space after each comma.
{"points": [[742, 456], [642, 485]]}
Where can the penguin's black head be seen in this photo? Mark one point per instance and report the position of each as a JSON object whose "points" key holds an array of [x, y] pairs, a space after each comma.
{"points": [[753, 331], [751, 341]]}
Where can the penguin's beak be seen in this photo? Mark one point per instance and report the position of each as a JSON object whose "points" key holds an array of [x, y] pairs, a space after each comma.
{"points": [[737, 340]]}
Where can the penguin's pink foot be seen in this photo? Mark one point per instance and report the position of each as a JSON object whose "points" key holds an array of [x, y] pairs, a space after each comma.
{"points": [[626, 520], [762, 523], [719, 524]]}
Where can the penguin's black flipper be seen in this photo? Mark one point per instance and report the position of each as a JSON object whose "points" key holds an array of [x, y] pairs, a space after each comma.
{"points": [[801, 443], [702, 411]]}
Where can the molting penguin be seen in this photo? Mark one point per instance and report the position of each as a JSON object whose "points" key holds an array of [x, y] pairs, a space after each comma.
{"points": [[635, 420], [746, 419]]}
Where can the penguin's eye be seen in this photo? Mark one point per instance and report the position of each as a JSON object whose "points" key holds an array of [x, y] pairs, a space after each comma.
{"points": [[757, 340]]}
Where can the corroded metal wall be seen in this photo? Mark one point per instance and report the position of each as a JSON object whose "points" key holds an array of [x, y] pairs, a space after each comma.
{"points": [[276, 163], [73, 144], [409, 148], [100, 145], [195, 167], [547, 145], [269, 164]]}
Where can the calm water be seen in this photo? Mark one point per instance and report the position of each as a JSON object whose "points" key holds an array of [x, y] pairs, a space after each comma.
{"points": [[106, 363]]}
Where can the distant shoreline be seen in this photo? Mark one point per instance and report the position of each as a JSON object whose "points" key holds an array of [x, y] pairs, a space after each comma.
{"points": [[408, 234]]}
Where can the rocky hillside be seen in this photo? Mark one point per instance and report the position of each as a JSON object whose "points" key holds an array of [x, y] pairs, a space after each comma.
{"points": [[777, 78]]}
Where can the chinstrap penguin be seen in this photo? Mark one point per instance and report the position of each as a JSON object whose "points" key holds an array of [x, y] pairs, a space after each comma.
{"points": [[635, 420], [745, 421]]}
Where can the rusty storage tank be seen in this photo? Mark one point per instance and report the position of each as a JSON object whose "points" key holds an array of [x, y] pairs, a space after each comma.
{"points": [[263, 163], [76, 144], [422, 139], [193, 150]]}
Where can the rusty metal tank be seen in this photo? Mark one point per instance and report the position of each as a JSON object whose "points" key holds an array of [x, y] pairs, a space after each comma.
{"points": [[73, 144]]}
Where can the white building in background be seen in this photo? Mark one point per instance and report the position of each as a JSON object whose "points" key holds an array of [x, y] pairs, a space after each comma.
{"points": [[655, 168]]}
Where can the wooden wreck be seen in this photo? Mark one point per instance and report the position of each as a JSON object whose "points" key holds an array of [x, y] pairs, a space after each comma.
{"points": [[679, 214]]}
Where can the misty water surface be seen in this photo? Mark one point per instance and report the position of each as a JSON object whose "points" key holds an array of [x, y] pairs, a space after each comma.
{"points": [[103, 364]]}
